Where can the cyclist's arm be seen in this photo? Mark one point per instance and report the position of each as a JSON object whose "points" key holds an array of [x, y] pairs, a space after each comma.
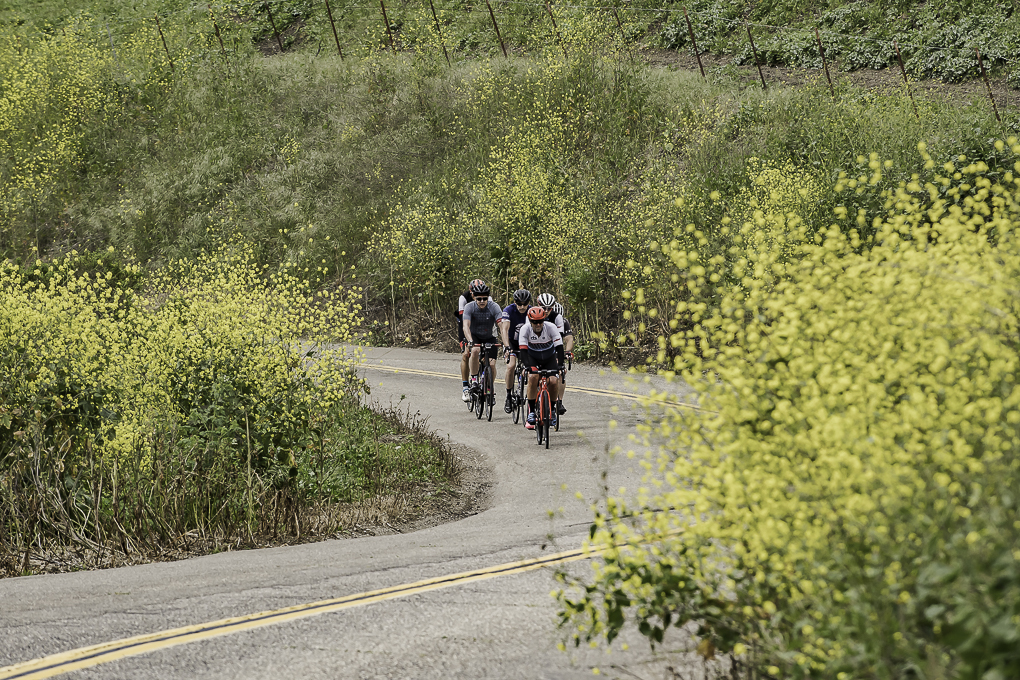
{"points": [[504, 325], [466, 325], [523, 353]]}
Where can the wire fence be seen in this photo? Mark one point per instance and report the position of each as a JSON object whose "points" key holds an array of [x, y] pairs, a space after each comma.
{"points": [[366, 26]]}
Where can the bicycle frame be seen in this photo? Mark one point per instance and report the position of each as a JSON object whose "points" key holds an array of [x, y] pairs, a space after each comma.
{"points": [[544, 414], [486, 381]]}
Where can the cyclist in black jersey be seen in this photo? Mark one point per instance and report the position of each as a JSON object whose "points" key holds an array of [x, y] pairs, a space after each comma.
{"points": [[515, 315], [465, 351]]}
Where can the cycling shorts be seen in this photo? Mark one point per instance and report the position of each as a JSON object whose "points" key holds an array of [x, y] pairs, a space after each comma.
{"points": [[549, 364], [490, 353]]}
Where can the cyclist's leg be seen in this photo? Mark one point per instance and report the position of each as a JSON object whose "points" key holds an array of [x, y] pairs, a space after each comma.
{"points": [[509, 405], [473, 362], [568, 347], [511, 365], [532, 393], [491, 354], [559, 392]]}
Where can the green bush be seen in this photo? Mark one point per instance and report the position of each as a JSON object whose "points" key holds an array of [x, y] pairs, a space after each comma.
{"points": [[208, 388], [842, 503]]}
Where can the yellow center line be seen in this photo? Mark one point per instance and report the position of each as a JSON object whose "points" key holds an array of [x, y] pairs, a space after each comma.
{"points": [[596, 391], [94, 655]]}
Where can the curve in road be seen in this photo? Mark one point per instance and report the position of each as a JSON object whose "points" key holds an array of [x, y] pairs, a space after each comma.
{"points": [[486, 627]]}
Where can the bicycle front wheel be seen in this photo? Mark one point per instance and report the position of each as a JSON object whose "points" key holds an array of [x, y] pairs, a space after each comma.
{"points": [[546, 415], [480, 396], [519, 398]]}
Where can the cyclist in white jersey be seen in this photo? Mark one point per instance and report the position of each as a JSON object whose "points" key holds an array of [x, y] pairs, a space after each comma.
{"points": [[541, 348], [554, 311]]}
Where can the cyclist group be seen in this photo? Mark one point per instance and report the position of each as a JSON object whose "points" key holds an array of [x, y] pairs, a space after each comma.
{"points": [[536, 335]]}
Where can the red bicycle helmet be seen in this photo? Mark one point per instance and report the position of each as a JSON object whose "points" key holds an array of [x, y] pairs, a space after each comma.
{"points": [[479, 287], [537, 314]]}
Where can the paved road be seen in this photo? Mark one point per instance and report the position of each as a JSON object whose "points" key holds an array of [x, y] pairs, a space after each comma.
{"points": [[498, 628]]}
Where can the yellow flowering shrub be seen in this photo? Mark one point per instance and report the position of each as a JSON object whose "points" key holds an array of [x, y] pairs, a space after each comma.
{"points": [[219, 373], [842, 503], [48, 90], [420, 243]]}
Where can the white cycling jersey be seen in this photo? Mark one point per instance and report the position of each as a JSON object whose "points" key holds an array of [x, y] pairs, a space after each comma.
{"points": [[542, 346]]}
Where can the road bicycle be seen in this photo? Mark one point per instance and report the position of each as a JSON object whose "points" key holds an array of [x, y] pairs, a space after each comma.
{"points": [[563, 381], [483, 394], [545, 412], [518, 394]]}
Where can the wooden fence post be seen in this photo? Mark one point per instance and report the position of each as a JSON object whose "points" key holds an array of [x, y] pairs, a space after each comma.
{"points": [[903, 70], [159, 28], [988, 85], [623, 35], [272, 22], [499, 35], [439, 31], [825, 64], [694, 44], [329, 12], [386, 19], [556, 28], [756, 62]]}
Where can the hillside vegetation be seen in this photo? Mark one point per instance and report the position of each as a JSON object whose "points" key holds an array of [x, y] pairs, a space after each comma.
{"points": [[833, 270], [404, 175]]}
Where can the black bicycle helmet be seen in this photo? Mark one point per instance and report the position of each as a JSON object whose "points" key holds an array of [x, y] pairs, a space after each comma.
{"points": [[522, 297], [479, 287]]}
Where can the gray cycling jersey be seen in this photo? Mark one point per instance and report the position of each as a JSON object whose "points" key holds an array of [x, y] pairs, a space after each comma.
{"points": [[482, 321]]}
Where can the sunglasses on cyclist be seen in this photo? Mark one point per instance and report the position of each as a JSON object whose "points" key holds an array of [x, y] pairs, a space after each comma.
{"points": [[482, 298]]}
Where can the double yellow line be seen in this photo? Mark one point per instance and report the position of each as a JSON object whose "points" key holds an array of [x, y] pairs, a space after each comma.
{"points": [[598, 392], [95, 655]]}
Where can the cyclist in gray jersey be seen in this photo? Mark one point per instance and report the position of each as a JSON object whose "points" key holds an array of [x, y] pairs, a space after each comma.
{"points": [[480, 317]]}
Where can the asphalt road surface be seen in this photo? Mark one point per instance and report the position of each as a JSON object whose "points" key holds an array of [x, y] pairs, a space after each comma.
{"points": [[500, 627]]}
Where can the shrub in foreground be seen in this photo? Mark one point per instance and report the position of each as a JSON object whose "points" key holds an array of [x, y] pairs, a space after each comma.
{"points": [[844, 502], [219, 403]]}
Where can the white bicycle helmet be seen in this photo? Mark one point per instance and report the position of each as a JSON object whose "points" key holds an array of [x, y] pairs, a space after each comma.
{"points": [[546, 300]]}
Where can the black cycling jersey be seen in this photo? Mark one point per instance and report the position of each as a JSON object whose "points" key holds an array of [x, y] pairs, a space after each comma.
{"points": [[462, 302]]}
